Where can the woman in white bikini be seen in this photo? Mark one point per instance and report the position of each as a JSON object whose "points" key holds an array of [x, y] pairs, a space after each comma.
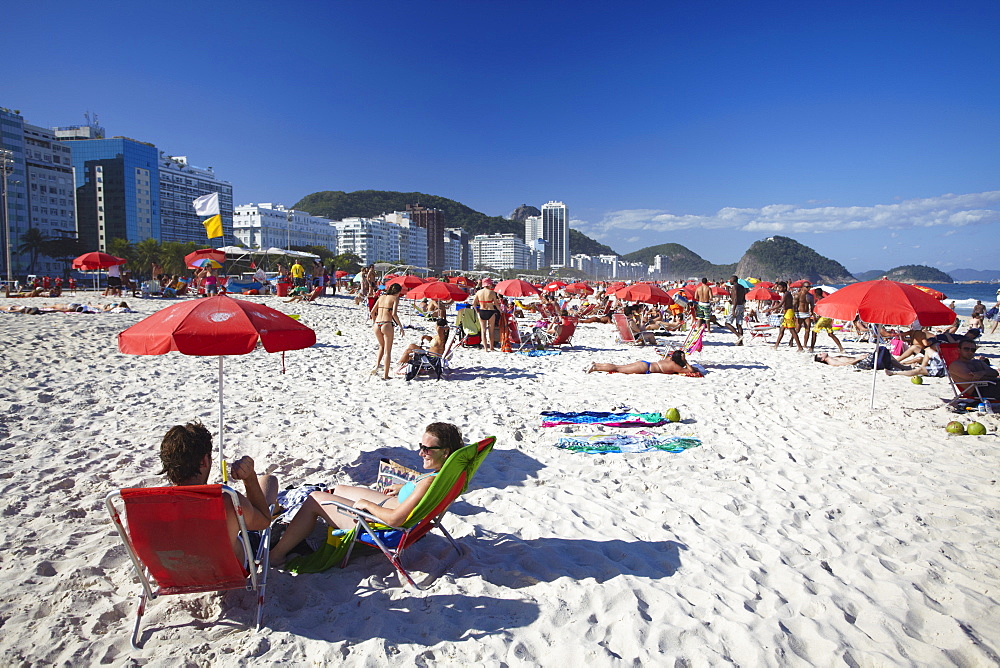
{"points": [[440, 439], [384, 315]]}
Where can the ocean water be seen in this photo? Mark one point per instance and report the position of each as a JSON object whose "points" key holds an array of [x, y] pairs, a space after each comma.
{"points": [[965, 294]]}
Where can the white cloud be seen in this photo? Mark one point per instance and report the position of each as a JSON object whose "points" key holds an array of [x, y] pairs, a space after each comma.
{"points": [[944, 211]]}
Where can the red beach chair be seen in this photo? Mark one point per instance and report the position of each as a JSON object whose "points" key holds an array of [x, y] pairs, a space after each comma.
{"points": [[967, 392], [178, 540]]}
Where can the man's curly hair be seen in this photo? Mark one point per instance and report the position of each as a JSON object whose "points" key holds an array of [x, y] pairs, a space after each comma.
{"points": [[182, 450]]}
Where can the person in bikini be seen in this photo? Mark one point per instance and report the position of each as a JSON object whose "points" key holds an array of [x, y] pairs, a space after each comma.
{"points": [[487, 307], [675, 364], [386, 318], [439, 441], [436, 346]]}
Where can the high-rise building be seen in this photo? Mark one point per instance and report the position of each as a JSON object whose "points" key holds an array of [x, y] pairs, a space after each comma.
{"points": [[413, 238], [371, 239], [555, 231], [533, 230], [13, 192], [117, 189], [180, 184], [267, 225], [457, 249], [501, 251], [431, 220]]}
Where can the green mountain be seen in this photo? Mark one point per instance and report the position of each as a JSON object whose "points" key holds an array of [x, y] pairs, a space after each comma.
{"points": [[337, 205], [681, 262], [777, 258], [908, 273]]}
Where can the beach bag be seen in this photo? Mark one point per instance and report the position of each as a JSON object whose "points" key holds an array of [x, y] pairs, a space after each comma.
{"points": [[897, 346], [992, 313]]}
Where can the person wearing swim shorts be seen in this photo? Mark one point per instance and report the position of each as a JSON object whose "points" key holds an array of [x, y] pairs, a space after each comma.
{"points": [[487, 305], [439, 441], [788, 322], [734, 321], [822, 325], [675, 364], [703, 302], [969, 368]]}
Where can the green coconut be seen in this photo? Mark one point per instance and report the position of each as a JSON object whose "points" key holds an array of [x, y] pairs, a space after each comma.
{"points": [[673, 415], [977, 429], [955, 427]]}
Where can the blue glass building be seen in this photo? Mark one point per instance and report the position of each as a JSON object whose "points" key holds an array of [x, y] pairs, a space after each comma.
{"points": [[117, 190]]}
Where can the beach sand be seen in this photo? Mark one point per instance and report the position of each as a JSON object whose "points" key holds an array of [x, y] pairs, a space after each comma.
{"points": [[806, 530]]}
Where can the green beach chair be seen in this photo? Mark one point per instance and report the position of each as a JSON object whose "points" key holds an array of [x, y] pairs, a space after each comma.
{"points": [[450, 482]]}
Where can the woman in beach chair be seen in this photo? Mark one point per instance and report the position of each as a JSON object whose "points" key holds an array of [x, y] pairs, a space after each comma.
{"points": [[675, 364], [439, 441], [435, 346]]}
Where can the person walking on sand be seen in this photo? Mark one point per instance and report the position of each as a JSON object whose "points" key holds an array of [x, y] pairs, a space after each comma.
{"points": [[734, 322], [487, 307], [384, 314], [703, 302], [787, 308], [822, 325]]}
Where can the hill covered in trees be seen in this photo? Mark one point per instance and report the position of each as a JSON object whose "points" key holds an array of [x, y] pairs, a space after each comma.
{"points": [[780, 257], [337, 205], [908, 273], [682, 262]]}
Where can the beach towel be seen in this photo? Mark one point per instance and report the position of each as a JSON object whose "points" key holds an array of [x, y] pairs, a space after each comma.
{"points": [[542, 352], [615, 443], [555, 418]]}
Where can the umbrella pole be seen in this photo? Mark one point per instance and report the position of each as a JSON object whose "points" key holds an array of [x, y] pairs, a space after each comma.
{"points": [[222, 455], [874, 330]]}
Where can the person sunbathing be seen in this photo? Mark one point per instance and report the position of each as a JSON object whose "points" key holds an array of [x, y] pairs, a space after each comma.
{"points": [[436, 345], [863, 362], [969, 368], [675, 364], [439, 441]]}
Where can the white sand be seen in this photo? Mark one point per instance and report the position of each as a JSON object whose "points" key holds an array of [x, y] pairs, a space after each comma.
{"points": [[806, 530]]}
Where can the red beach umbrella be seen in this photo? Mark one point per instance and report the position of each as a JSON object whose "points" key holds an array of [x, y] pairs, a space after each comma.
{"points": [[97, 260], [687, 291], [405, 282], [554, 285], [798, 284], [579, 288], [461, 280], [719, 291], [644, 292], [884, 302], [515, 287], [763, 295], [932, 292], [763, 284], [615, 286], [215, 326], [438, 290], [340, 273], [205, 253]]}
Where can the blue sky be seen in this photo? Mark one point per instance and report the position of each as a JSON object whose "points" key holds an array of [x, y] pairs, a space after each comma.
{"points": [[868, 131]]}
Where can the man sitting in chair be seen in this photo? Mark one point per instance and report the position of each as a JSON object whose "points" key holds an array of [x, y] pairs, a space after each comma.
{"points": [[969, 368], [186, 455]]}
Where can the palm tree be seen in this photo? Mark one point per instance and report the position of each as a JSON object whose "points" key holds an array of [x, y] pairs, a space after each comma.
{"points": [[33, 242], [147, 252]]}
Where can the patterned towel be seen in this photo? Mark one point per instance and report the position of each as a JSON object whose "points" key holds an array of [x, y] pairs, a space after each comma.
{"points": [[555, 418], [645, 442], [539, 353]]}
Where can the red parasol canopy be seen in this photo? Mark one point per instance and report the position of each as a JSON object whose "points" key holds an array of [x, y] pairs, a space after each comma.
{"points": [[215, 326], [885, 302], [932, 292], [462, 280], [644, 292], [405, 282], [340, 273], [618, 285], [438, 290], [97, 260], [763, 284], [554, 285], [515, 287], [579, 288], [687, 290], [763, 295], [799, 283], [205, 253], [719, 291]]}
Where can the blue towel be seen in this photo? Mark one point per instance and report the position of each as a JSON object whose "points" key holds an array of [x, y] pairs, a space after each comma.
{"points": [[602, 444]]}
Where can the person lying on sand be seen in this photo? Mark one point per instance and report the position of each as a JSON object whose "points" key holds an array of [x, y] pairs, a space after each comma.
{"points": [[186, 455], [439, 440], [863, 362], [675, 364]]}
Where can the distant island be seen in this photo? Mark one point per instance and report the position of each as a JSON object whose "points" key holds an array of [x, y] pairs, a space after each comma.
{"points": [[773, 258]]}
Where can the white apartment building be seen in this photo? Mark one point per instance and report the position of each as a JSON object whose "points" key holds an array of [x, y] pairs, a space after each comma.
{"points": [[555, 231], [412, 238], [501, 251], [51, 191], [267, 225], [533, 230], [180, 184], [457, 250]]}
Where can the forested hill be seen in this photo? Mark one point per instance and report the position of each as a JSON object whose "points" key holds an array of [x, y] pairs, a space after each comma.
{"points": [[682, 262], [909, 273], [337, 205], [777, 258]]}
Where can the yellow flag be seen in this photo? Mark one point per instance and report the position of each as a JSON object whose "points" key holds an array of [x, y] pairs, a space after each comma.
{"points": [[213, 226]]}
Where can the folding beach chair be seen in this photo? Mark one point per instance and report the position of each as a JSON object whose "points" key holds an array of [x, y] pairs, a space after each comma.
{"points": [[965, 393], [178, 540], [450, 482], [625, 334], [566, 333], [422, 361]]}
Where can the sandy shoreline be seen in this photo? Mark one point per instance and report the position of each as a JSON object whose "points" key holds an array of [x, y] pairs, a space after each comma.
{"points": [[806, 529]]}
